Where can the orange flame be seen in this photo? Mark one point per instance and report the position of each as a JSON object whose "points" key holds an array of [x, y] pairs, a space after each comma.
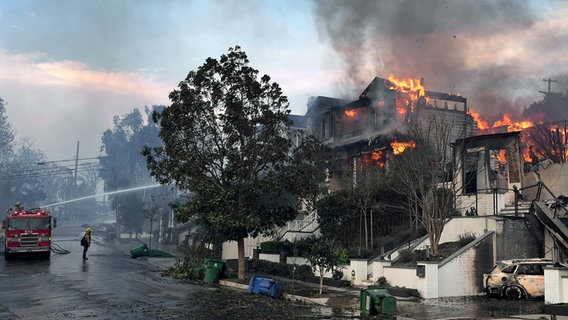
{"points": [[399, 147], [374, 158], [504, 122], [351, 113], [407, 85], [481, 124], [502, 155], [411, 88], [513, 125], [510, 125]]}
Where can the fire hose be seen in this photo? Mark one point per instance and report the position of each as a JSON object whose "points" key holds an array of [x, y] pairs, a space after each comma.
{"points": [[55, 248]]}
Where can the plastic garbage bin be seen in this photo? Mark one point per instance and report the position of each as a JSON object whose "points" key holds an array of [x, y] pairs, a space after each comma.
{"points": [[275, 290], [265, 286], [377, 301], [388, 304], [221, 266], [199, 272], [253, 284], [139, 251], [211, 275]]}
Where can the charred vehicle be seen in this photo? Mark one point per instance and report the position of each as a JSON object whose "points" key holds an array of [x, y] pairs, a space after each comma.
{"points": [[517, 279]]}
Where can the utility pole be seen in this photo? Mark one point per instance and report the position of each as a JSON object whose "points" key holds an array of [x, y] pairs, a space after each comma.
{"points": [[550, 81], [75, 175]]}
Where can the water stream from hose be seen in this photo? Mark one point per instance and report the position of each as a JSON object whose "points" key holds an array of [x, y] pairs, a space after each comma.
{"points": [[103, 194]]}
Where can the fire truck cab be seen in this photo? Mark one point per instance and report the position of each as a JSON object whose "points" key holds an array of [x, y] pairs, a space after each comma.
{"points": [[28, 232]]}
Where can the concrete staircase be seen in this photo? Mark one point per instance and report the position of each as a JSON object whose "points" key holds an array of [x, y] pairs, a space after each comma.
{"points": [[523, 208], [305, 226]]}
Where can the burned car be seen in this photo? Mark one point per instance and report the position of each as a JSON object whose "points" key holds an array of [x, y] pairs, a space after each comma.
{"points": [[517, 279]]}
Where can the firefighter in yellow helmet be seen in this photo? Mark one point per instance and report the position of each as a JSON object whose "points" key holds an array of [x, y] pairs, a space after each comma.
{"points": [[86, 243], [18, 206]]}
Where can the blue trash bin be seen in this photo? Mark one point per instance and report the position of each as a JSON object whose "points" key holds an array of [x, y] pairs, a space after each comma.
{"points": [[265, 286], [253, 284], [275, 290]]}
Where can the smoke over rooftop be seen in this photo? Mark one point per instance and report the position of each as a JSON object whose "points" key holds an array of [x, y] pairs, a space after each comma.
{"points": [[496, 53]]}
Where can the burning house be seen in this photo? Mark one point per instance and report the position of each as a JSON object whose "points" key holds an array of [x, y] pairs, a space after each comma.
{"points": [[489, 177], [374, 128]]}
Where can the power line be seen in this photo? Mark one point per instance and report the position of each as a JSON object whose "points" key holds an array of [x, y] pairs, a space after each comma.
{"points": [[47, 172], [69, 160], [549, 85]]}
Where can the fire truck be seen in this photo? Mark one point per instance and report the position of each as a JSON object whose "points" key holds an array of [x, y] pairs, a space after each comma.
{"points": [[28, 232]]}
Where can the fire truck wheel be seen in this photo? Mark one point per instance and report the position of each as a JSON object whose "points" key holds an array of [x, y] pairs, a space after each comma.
{"points": [[9, 256]]}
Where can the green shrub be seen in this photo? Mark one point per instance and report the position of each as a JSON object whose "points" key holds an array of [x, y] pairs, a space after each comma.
{"points": [[299, 248], [405, 255], [466, 238], [302, 272], [270, 268], [382, 282], [274, 247], [337, 274]]}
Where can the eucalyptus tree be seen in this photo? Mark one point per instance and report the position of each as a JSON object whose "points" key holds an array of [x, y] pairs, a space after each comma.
{"points": [[123, 166], [225, 143]]}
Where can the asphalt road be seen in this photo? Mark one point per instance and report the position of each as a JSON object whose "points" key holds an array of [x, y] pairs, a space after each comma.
{"points": [[112, 285]]}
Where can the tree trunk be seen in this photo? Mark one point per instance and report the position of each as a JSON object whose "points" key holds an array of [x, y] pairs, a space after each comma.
{"points": [[241, 258], [371, 225], [366, 230], [321, 282]]}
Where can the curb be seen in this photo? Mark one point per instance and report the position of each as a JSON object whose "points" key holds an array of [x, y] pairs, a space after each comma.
{"points": [[320, 301]]}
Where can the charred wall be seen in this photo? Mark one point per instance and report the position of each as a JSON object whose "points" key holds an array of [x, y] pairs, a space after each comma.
{"points": [[518, 237]]}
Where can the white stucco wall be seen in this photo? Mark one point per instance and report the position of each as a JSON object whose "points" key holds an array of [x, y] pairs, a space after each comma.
{"points": [[361, 270], [457, 277], [404, 277], [297, 260], [272, 257], [555, 285], [230, 247], [459, 226]]}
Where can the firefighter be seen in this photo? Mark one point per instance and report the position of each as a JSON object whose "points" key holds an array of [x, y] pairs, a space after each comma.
{"points": [[86, 243], [18, 206]]}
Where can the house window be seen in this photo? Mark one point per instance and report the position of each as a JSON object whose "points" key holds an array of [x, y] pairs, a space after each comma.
{"points": [[323, 126]]}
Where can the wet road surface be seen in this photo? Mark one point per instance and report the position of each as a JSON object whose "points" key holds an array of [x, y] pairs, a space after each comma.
{"points": [[112, 285]]}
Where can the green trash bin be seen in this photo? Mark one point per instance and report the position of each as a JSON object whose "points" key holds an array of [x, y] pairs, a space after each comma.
{"points": [[388, 305], [221, 266], [199, 272], [211, 275], [139, 251], [377, 301]]}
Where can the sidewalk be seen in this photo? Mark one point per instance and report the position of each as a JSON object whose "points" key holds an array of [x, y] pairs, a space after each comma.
{"points": [[347, 298]]}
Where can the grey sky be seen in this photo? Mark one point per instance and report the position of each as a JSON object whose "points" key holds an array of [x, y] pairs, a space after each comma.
{"points": [[67, 67]]}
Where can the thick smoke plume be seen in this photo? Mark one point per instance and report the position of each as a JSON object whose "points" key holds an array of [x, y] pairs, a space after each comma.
{"points": [[495, 53]]}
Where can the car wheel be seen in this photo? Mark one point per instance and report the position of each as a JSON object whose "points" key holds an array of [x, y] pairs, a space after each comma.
{"points": [[514, 293]]}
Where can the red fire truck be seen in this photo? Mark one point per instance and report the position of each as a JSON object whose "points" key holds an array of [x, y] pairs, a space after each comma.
{"points": [[28, 232]]}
